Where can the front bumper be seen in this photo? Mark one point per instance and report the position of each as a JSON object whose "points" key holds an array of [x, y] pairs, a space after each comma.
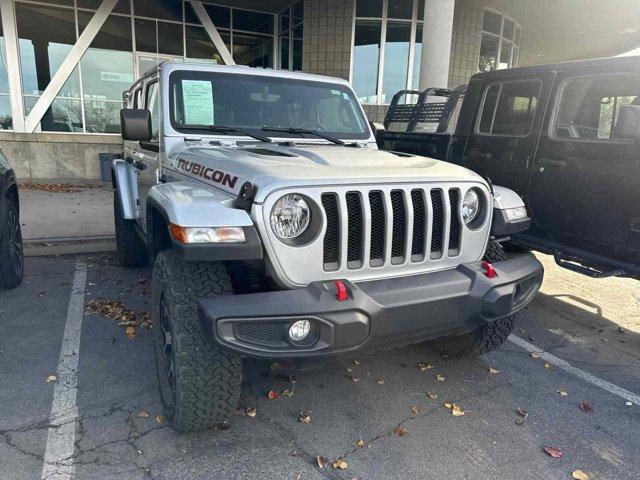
{"points": [[378, 313]]}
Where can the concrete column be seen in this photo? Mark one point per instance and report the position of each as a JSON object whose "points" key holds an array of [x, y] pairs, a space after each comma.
{"points": [[437, 33]]}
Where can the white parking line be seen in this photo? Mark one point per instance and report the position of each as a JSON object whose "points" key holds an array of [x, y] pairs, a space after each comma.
{"points": [[58, 462], [567, 367]]}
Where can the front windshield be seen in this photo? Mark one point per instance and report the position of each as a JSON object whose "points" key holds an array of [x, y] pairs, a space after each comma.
{"points": [[252, 102]]}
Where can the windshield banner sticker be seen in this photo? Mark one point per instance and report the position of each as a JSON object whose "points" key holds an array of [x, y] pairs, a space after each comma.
{"points": [[197, 98], [208, 173]]}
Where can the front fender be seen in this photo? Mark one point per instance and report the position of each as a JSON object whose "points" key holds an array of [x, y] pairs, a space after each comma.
{"points": [[194, 205], [505, 199]]}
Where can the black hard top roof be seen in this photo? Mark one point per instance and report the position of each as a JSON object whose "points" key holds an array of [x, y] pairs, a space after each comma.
{"points": [[604, 63]]}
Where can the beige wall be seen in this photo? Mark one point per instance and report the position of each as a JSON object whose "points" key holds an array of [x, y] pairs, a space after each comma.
{"points": [[52, 156]]}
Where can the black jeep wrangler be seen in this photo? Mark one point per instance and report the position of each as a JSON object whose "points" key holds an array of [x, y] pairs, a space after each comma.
{"points": [[565, 137]]}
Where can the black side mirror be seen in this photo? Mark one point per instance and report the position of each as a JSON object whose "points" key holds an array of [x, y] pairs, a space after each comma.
{"points": [[378, 132], [136, 124], [628, 123]]}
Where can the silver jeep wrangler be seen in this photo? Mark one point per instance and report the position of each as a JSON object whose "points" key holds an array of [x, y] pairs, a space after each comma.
{"points": [[277, 229]]}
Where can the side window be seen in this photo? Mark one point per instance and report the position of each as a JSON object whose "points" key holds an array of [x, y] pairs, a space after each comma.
{"points": [[136, 98], [590, 107], [509, 108], [153, 105]]}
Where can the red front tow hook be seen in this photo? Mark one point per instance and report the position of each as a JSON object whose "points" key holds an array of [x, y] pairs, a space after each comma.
{"points": [[489, 270], [341, 291]]}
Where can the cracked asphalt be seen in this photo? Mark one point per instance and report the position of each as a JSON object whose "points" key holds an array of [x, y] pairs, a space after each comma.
{"points": [[574, 318]]}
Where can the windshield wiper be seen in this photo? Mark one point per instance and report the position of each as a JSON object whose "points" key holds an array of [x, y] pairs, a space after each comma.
{"points": [[302, 131], [226, 129]]}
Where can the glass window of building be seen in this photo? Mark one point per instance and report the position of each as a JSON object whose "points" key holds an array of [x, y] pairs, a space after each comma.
{"points": [[253, 50], [200, 47], [123, 6], [500, 45], [153, 36], [387, 48], [290, 36], [161, 9], [6, 118]]}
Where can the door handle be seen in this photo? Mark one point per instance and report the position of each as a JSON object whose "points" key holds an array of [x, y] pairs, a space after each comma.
{"points": [[552, 163]]}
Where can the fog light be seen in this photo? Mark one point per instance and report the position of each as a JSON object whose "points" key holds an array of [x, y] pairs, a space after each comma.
{"points": [[299, 330]]}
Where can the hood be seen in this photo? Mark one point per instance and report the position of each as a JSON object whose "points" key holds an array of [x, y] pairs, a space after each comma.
{"points": [[271, 167]]}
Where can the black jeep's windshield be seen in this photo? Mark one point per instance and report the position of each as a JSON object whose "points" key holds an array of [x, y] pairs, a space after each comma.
{"points": [[253, 102]]}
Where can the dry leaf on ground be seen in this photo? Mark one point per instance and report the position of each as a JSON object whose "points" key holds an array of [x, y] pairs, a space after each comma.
{"points": [[455, 410], [586, 407], [143, 414], [272, 395], [561, 392], [305, 417], [522, 412], [440, 378], [322, 461], [126, 317], [400, 431], [579, 475], [536, 354], [355, 379], [130, 332], [547, 365], [553, 452], [51, 378], [160, 418], [251, 412], [359, 443], [356, 362], [380, 381], [494, 370], [416, 409], [424, 367], [287, 392], [340, 464], [432, 396]]}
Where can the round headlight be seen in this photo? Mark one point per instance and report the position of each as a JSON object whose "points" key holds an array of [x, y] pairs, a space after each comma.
{"points": [[470, 206], [290, 216]]}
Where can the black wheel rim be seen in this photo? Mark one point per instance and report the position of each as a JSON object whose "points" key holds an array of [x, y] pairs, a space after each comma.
{"points": [[15, 242], [167, 338]]}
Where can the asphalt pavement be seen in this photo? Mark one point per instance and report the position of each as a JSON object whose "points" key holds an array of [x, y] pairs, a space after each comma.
{"points": [[100, 417]]}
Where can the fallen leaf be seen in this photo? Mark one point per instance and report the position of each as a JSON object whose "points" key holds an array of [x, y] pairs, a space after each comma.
{"points": [[547, 365], [160, 418], [340, 464], [579, 475], [456, 411], [621, 330], [143, 414], [432, 396], [287, 393], [416, 409], [494, 370], [349, 369], [519, 421], [561, 392], [629, 404], [553, 452], [535, 354], [380, 381], [272, 395], [586, 407], [355, 379], [440, 378], [51, 378], [130, 332], [224, 426], [522, 412], [356, 362], [400, 431], [295, 454], [42, 294], [424, 367], [322, 461], [360, 443], [251, 412], [305, 417], [292, 379], [275, 366]]}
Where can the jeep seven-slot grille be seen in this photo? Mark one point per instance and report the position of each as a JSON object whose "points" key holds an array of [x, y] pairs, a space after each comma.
{"points": [[392, 227]]}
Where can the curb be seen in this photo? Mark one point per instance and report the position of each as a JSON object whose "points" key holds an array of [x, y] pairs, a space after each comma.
{"points": [[37, 247]]}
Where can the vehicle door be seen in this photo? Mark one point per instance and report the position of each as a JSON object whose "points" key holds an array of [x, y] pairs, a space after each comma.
{"points": [[503, 138], [585, 180], [146, 155]]}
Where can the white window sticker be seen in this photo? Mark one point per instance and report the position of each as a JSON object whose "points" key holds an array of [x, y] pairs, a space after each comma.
{"points": [[197, 98]]}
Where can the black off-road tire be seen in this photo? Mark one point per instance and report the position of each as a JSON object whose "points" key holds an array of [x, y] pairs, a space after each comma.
{"points": [[204, 388], [11, 251], [486, 338], [131, 250]]}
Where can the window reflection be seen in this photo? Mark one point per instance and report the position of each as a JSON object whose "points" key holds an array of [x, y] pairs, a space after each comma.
{"points": [[366, 52], [396, 59]]}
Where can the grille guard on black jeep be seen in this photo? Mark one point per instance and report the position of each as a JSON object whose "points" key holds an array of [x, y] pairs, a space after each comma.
{"points": [[377, 313]]}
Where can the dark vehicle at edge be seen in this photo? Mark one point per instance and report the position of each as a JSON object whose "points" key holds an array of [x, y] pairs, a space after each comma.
{"points": [[565, 137], [11, 253]]}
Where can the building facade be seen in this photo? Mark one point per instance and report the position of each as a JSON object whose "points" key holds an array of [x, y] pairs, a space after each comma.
{"points": [[65, 63]]}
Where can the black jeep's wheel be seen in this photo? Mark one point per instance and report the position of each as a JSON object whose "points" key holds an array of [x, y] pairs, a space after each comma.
{"points": [[11, 253], [132, 251], [199, 382], [486, 338]]}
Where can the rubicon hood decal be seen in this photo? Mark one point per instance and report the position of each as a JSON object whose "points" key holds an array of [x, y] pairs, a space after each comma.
{"points": [[207, 173]]}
